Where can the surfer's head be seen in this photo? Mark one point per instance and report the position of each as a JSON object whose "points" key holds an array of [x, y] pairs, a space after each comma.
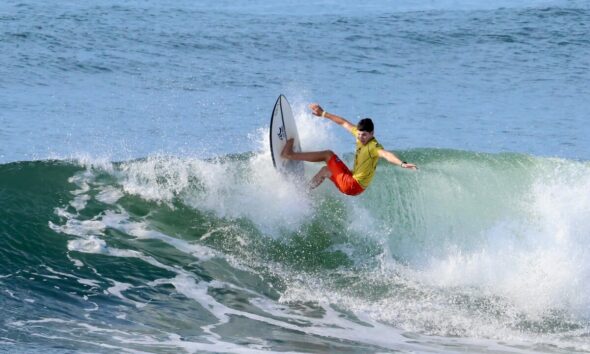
{"points": [[365, 125], [365, 129]]}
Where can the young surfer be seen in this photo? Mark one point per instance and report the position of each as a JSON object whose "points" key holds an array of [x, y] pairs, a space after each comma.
{"points": [[368, 152]]}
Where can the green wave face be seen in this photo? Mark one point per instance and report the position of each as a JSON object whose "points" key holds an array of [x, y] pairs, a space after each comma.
{"points": [[186, 252]]}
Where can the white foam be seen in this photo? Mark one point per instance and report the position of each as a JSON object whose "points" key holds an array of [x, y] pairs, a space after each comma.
{"points": [[109, 195], [118, 288], [91, 244], [121, 221], [82, 180], [244, 189], [11, 294], [93, 162], [79, 227], [537, 263], [78, 263], [261, 195], [158, 178], [63, 213], [88, 282]]}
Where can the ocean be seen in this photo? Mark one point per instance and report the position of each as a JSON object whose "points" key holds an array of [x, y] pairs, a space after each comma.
{"points": [[140, 211]]}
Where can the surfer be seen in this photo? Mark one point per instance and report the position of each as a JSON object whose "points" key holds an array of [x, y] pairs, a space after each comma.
{"points": [[368, 152]]}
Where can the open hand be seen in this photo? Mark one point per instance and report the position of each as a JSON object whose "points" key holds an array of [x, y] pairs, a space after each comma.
{"points": [[316, 109], [409, 166]]}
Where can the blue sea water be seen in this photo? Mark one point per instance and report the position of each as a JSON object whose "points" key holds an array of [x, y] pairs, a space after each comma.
{"points": [[140, 212], [127, 80]]}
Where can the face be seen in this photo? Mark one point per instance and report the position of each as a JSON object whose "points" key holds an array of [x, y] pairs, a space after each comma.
{"points": [[364, 137]]}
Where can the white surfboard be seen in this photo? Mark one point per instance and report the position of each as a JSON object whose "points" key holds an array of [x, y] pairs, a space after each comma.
{"points": [[282, 127]]}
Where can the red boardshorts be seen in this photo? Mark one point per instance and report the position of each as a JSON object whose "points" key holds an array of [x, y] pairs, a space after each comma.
{"points": [[342, 177]]}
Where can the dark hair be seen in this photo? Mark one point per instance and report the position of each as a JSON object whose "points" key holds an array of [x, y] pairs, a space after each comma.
{"points": [[365, 125]]}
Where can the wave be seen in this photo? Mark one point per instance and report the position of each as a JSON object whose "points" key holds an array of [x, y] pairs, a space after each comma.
{"points": [[491, 246]]}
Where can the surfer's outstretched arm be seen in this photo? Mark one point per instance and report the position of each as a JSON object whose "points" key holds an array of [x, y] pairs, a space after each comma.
{"points": [[393, 159], [317, 110]]}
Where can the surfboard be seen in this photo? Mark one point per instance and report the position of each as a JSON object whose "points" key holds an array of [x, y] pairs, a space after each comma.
{"points": [[283, 127]]}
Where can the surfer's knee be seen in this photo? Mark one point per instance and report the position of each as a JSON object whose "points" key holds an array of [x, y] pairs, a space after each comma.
{"points": [[329, 154]]}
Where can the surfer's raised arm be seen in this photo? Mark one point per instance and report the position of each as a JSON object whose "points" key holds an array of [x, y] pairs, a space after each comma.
{"points": [[317, 110]]}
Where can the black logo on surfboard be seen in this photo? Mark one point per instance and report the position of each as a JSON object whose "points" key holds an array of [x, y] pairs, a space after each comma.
{"points": [[282, 134]]}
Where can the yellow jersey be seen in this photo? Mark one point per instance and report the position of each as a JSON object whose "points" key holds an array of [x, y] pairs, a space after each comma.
{"points": [[365, 160]]}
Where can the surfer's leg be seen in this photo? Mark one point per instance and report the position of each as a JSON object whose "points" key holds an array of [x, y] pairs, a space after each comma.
{"points": [[311, 156], [319, 177]]}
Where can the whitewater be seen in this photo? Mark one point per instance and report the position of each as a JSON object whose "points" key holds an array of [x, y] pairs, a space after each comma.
{"points": [[140, 211]]}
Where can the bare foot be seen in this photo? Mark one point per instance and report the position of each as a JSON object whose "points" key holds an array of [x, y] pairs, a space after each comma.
{"points": [[288, 149]]}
